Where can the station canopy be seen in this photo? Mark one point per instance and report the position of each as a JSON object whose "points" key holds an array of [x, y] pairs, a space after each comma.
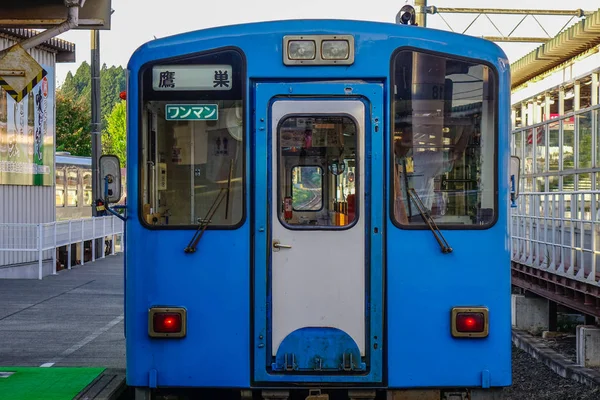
{"points": [[44, 14], [19, 71]]}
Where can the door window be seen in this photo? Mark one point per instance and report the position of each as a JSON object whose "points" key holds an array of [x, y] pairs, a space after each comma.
{"points": [[317, 176]]}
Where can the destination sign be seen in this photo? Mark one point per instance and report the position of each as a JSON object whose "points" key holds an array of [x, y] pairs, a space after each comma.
{"points": [[191, 77]]}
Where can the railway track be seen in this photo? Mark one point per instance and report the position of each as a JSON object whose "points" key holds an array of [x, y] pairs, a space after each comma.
{"points": [[313, 203]]}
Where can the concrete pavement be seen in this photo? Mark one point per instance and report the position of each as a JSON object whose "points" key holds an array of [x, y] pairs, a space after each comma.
{"points": [[74, 318]]}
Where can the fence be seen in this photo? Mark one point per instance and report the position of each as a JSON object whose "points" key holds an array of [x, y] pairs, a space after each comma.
{"points": [[559, 232], [49, 236]]}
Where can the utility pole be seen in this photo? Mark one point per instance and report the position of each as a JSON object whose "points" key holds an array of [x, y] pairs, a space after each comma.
{"points": [[421, 12], [96, 138]]}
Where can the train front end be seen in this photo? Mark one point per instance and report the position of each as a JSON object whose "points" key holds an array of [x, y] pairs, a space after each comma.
{"points": [[318, 208]]}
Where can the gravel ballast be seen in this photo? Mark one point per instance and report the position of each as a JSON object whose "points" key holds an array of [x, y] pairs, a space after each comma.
{"points": [[534, 380]]}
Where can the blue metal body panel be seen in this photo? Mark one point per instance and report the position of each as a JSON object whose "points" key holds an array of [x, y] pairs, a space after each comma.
{"points": [[313, 343], [217, 286]]}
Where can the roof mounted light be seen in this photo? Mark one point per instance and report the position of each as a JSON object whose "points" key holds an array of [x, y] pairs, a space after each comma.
{"points": [[301, 49], [318, 50]]}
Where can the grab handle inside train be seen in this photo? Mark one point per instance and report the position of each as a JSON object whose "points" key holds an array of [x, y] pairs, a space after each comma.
{"points": [[515, 165]]}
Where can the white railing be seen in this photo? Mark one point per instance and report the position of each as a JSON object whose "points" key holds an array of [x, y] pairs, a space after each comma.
{"points": [[558, 232], [49, 236]]}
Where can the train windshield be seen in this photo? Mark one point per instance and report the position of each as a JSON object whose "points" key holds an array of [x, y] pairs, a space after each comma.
{"points": [[193, 138], [444, 135]]}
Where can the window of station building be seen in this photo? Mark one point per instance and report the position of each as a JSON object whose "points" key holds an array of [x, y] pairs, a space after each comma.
{"points": [[584, 182], [568, 183], [584, 140], [528, 159], [518, 147], [569, 99], [317, 171], [518, 121], [444, 135], [193, 141], [585, 92], [540, 136], [72, 185], [540, 184], [60, 187], [553, 146], [87, 188], [568, 143], [554, 183], [528, 184]]}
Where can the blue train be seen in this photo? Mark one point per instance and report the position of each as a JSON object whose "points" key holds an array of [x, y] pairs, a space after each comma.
{"points": [[319, 210]]}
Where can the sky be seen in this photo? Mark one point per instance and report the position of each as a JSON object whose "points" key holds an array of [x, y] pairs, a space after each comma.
{"points": [[135, 22]]}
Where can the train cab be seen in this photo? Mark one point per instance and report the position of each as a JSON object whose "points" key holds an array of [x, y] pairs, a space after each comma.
{"points": [[318, 207]]}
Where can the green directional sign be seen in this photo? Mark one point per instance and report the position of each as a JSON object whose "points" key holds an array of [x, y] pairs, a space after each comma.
{"points": [[192, 112]]}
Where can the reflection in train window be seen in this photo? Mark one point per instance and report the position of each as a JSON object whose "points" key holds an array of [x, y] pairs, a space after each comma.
{"points": [[87, 188], [60, 188], [199, 167], [317, 171], [72, 199], [444, 134]]}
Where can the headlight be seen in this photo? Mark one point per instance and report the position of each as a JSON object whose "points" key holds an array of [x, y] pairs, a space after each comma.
{"points": [[318, 50], [335, 49], [301, 49]]}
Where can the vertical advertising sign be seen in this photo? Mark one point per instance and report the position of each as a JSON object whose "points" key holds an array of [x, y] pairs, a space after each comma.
{"points": [[27, 135]]}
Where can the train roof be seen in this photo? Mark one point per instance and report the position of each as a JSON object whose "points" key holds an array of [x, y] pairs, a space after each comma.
{"points": [[182, 43]]}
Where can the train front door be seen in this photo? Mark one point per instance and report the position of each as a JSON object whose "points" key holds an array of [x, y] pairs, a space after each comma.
{"points": [[318, 232]]}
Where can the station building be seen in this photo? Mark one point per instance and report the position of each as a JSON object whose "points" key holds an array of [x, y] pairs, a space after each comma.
{"points": [[555, 105], [27, 157]]}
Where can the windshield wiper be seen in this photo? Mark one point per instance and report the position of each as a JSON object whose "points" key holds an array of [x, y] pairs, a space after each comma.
{"points": [[430, 222], [223, 193]]}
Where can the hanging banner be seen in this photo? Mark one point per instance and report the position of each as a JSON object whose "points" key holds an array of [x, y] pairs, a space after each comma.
{"points": [[27, 135]]}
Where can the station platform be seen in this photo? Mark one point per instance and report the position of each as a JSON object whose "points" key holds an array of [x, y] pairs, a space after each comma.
{"points": [[62, 337]]}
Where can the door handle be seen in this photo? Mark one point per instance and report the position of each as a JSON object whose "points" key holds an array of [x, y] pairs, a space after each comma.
{"points": [[278, 245]]}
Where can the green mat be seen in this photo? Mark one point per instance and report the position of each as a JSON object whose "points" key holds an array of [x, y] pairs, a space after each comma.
{"points": [[33, 383]]}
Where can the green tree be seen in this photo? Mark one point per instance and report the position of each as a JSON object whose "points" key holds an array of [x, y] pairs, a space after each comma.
{"points": [[72, 126], [78, 86], [74, 101], [114, 137], [112, 83]]}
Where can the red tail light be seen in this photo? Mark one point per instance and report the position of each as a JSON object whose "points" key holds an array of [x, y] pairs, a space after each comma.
{"points": [[167, 322], [469, 322]]}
